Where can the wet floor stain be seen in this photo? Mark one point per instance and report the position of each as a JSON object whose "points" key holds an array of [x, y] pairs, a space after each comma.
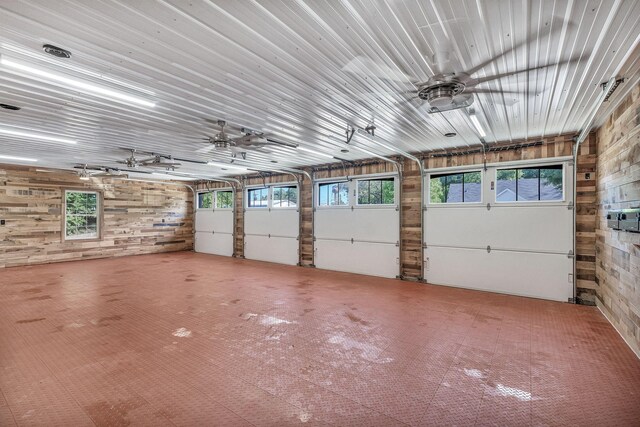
{"points": [[356, 319], [104, 321], [190, 280], [38, 319], [106, 413], [111, 294], [32, 291], [40, 298], [307, 310], [304, 284], [235, 301], [113, 299]]}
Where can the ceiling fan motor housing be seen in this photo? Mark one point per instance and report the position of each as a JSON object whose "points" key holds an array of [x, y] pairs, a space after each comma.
{"points": [[440, 95]]}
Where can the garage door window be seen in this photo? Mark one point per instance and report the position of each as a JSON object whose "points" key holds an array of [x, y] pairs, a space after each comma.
{"points": [[257, 197], [284, 197], [333, 194], [81, 215], [205, 200], [455, 188], [224, 199], [530, 184], [376, 191]]}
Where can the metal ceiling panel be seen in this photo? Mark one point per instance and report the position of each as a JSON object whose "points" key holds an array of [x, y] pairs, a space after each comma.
{"points": [[301, 72]]}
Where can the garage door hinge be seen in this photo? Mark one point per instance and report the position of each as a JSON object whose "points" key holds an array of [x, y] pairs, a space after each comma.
{"points": [[269, 235], [352, 240], [488, 206], [570, 254], [570, 206], [351, 207], [424, 207], [397, 244], [488, 249]]}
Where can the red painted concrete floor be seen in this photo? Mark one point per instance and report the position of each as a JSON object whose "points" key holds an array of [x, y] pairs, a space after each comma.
{"points": [[190, 339]]}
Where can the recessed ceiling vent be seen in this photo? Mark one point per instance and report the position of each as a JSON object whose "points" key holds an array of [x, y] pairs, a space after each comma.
{"points": [[9, 107], [56, 51], [613, 88]]}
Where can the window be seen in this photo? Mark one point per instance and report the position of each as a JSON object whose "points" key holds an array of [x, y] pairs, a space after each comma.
{"points": [[257, 197], [333, 194], [224, 199], [376, 191], [284, 197], [205, 200], [81, 215], [455, 188], [529, 184]]}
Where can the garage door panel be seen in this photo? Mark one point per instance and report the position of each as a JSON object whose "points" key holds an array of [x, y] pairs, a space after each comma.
{"points": [[373, 259], [376, 225], [217, 244], [284, 222], [256, 221], [539, 228], [333, 223], [537, 275], [283, 250], [204, 221]]}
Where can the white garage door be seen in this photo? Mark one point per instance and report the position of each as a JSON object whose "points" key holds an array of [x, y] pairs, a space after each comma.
{"points": [[356, 226], [507, 229], [271, 222], [214, 222]]}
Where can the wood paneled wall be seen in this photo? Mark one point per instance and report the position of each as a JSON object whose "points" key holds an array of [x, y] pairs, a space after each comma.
{"points": [[139, 217], [618, 252]]}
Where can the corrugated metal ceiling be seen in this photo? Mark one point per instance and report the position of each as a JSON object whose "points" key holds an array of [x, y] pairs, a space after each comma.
{"points": [[301, 71]]}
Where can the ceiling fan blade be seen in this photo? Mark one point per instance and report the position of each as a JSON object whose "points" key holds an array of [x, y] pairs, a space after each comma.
{"points": [[206, 150], [473, 82], [493, 91], [284, 144], [551, 27]]}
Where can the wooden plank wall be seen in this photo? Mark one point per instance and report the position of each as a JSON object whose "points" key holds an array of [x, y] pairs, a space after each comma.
{"points": [[618, 252], [139, 217]]}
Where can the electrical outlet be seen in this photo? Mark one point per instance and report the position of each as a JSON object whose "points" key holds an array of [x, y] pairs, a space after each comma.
{"points": [[2, 222], [587, 175]]}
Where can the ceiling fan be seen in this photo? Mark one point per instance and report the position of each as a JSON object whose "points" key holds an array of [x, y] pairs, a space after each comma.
{"points": [[153, 161], [88, 171], [448, 88], [249, 140]]}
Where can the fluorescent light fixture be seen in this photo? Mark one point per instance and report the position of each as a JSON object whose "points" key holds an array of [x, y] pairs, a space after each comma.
{"points": [[315, 152], [476, 123], [226, 166], [18, 159], [83, 86], [36, 136]]}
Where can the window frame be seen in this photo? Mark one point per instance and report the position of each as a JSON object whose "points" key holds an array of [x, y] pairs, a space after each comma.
{"points": [[283, 185], [215, 199], [461, 172], [356, 191], [532, 166], [338, 181], [261, 187], [99, 215], [198, 199]]}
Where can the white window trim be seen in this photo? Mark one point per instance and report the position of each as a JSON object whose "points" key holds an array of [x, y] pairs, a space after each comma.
{"points": [[374, 177], [98, 215], [427, 184], [257, 187], [215, 199], [198, 193], [333, 181], [532, 202], [279, 185]]}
